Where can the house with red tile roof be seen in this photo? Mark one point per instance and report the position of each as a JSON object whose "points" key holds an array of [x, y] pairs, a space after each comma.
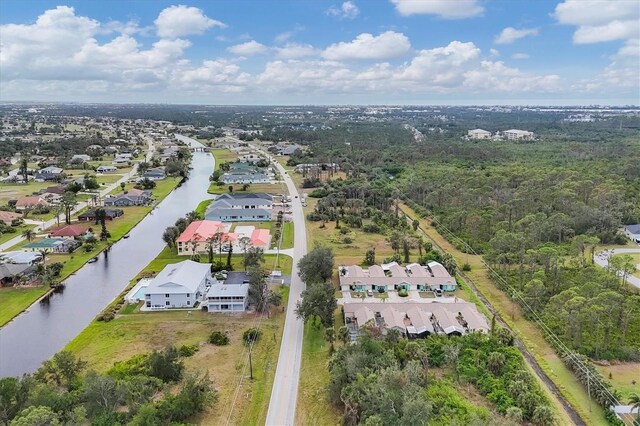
{"points": [[260, 238], [194, 238], [75, 231], [7, 217], [27, 203]]}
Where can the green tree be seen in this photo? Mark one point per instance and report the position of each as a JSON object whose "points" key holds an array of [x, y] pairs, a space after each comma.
{"points": [[37, 416], [253, 258], [318, 300], [28, 234], [317, 265]]}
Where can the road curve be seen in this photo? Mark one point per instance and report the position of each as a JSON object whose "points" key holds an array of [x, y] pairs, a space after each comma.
{"points": [[284, 394]]}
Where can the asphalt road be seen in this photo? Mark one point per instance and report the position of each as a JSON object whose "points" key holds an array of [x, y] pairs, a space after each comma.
{"points": [[602, 259], [282, 406]]}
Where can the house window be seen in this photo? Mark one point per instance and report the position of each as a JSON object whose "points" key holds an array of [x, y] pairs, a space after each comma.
{"points": [[224, 307], [188, 302], [166, 295], [167, 303], [148, 304], [188, 295]]}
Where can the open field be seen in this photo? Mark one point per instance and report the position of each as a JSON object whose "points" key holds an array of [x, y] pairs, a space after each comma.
{"points": [[223, 155], [101, 344], [527, 332], [622, 376], [13, 191], [15, 300]]}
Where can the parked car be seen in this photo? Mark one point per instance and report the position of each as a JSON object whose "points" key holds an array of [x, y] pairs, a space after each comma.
{"points": [[438, 292], [369, 293]]}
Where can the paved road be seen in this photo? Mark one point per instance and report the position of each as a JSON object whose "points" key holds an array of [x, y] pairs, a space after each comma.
{"points": [[602, 259], [52, 222], [282, 406]]}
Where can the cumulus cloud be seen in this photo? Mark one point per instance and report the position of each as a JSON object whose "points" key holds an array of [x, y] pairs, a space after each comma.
{"points": [[348, 10], [179, 21], [385, 46], [447, 9], [250, 48], [600, 20], [510, 34], [294, 50]]}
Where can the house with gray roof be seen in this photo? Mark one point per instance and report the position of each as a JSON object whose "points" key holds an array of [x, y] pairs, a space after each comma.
{"points": [[633, 232], [178, 285], [241, 207], [229, 293]]}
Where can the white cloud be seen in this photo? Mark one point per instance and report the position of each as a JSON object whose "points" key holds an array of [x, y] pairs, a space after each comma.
{"points": [[600, 20], [348, 10], [294, 50], [510, 34], [447, 9], [178, 21], [494, 52], [250, 48], [520, 56], [387, 45], [282, 37]]}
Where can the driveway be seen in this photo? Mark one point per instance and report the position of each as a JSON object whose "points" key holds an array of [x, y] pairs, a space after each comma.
{"points": [[602, 259]]}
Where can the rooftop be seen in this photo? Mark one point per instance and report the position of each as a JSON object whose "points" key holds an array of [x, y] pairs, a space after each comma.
{"points": [[181, 277], [200, 230]]}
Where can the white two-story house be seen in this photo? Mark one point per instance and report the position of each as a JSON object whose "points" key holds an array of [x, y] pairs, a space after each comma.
{"points": [[178, 285]]}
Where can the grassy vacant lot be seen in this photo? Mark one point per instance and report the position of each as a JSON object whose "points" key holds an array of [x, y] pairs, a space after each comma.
{"points": [[101, 344], [313, 407], [13, 191], [19, 230], [13, 301], [528, 332], [223, 155]]}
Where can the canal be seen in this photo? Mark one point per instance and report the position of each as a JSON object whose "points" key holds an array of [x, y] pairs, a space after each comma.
{"points": [[47, 326]]}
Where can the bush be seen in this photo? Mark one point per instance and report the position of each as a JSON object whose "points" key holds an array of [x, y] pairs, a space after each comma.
{"points": [[251, 335], [186, 351], [466, 267], [403, 293], [218, 338], [347, 240], [344, 230], [371, 228]]}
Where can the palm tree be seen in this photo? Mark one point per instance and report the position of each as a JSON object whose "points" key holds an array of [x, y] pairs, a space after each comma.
{"points": [[28, 234], [24, 167], [330, 335], [343, 334], [44, 253], [634, 401]]}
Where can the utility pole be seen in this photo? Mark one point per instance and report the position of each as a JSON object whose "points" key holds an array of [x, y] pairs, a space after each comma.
{"points": [[250, 365]]}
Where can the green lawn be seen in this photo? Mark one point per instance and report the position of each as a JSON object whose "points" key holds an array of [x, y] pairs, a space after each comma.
{"points": [[287, 235], [19, 230], [15, 300], [223, 156], [202, 207], [13, 191], [313, 408]]}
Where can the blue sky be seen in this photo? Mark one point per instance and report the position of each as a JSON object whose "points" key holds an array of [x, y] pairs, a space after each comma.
{"points": [[325, 52]]}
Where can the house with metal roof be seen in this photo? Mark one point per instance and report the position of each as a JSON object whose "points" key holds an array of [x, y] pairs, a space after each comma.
{"points": [[633, 232], [55, 245], [241, 207], [178, 285]]}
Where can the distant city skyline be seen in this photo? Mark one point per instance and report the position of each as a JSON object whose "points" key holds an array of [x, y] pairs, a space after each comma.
{"points": [[411, 52]]}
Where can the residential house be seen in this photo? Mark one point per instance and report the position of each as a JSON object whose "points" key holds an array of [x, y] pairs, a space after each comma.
{"points": [[110, 214], [414, 319], [478, 134], [633, 232], [55, 189], [106, 169], [8, 217], [288, 149], [228, 293], [250, 158], [154, 174], [133, 197], [121, 160], [307, 167], [515, 134], [241, 173], [195, 236], [9, 272], [31, 202], [432, 276], [55, 245], [178, 285], [241, 207], [81, 158], [20, 257], [48, 174], [71, 232]]}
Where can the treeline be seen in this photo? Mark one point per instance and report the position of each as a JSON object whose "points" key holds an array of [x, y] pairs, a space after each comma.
{"points": [[384, 379], [147, 389]]}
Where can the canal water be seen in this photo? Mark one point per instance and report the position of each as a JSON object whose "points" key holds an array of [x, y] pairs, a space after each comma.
{"points": [[47, 326]]}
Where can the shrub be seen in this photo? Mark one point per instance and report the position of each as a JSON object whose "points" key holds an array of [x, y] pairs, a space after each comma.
{"points": [[347, 240], [371, 228], [251, 335], [466, 267], [344, 230], [218, 338], [403, 293], [186, 351]]}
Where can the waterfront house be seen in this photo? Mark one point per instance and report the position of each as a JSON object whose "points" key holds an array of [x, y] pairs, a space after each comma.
{"points": [[228, 293], [110, 214], [241, 207], [178, 285]]}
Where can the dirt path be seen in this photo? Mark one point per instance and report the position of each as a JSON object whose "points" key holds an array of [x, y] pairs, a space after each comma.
{"points": [[568, 411]]}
